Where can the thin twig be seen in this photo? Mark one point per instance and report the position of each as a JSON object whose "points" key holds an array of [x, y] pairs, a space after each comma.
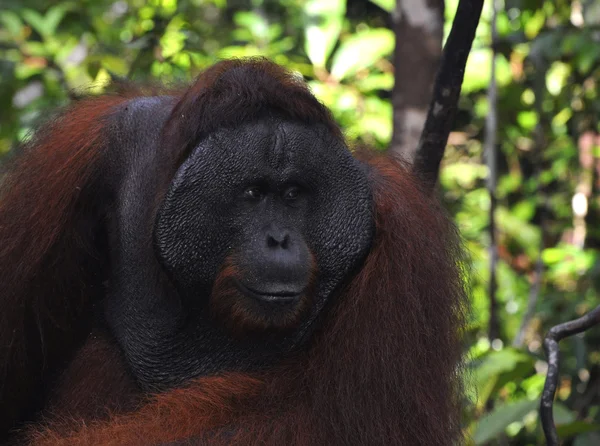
{"points": [[539, 87], [551, 341], [446, 92], [491, 136]]}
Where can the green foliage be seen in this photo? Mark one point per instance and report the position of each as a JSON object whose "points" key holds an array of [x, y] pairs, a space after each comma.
{"points": [[547, 69], [50, 52], [494, 423]]}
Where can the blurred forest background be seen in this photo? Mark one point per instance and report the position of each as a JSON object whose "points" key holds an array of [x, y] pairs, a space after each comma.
{"points": [[544, 199]]}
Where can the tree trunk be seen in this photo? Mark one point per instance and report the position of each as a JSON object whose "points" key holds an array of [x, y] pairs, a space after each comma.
{"points": [[419, 29]]}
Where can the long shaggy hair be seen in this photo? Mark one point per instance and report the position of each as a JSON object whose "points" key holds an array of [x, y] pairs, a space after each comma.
{"points": [[384, 369]]}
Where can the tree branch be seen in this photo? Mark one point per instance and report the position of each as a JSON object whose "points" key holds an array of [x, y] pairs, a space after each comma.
{"points": [[551, 341], [491, 132], [446, 93]]}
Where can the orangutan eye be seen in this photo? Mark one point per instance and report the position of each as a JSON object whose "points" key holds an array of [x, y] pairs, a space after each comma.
{"points": [[291, 194], [253, 192]]}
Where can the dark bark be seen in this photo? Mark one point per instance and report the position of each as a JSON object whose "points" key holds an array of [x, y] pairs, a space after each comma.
{"points": [[446, 93], [551, 341]]}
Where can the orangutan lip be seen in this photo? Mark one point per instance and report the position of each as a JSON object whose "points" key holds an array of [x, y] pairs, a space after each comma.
{"points": [[269, 297]]}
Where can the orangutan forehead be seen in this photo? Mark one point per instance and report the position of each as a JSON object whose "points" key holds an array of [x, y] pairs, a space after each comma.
{"points": [[276, 142], [232, 93]]}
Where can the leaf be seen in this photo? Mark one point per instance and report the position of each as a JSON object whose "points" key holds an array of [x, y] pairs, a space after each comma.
{"points": [[527, 119], [321, 39], [463, 174], [46, 25], [11, 22], [576, 427], [524, 210], [35, 20], [554, 255], [361, 51], [376, 81], [55, 15], [534, 24], [114, 64], [479, 68], [494, 423], [587, 56], [562, 414], [172, 42], [557, 76], [253, 22], [324, 22], [499, 362], [230, 52], [494, 365]]}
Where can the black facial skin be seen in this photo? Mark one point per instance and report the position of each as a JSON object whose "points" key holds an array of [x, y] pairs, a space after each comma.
{"points": [[283, 203], [274, 256], [272, 266]]}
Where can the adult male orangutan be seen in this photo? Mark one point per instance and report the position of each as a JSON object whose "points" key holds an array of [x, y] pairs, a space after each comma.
{"points": [[216, 266]]}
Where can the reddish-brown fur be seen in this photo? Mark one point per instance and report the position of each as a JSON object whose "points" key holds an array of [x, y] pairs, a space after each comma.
{"points": [[39, 304], [95, 385], [384, 369]]}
